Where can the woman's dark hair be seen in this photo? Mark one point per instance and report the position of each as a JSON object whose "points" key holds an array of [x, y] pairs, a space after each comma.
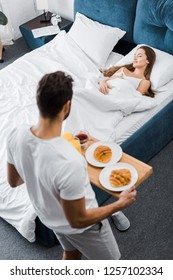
{"points": [[151, 57], [53, 91]]}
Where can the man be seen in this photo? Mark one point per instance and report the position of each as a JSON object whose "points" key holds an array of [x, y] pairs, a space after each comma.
{"points": [[56, 177]]}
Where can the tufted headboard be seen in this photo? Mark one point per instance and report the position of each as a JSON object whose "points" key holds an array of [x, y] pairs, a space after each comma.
{"points": [[154, 24], [145, 22]]}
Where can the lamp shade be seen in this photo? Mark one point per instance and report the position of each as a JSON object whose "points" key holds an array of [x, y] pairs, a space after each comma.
{"points": [[42, 4]]}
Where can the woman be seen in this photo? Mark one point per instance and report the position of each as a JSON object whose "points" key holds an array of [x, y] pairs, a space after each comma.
{"points": [[137, 73]]}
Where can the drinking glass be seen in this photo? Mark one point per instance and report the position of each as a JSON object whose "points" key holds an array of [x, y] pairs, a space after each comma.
{"points": [[76, 143], [83, 137]]}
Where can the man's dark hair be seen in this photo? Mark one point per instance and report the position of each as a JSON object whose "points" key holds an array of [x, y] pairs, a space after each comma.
{"points": [[53, 91]]}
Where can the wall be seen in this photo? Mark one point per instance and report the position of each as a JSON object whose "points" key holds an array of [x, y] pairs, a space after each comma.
{"points": [[20, 11], [62, 7]]}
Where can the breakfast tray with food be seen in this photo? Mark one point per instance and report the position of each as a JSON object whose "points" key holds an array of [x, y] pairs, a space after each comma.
{"points": [[112, 170]]}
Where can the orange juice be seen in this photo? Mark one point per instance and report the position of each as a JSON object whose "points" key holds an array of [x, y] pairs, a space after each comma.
{"points": [[76, 144], [68, 136]]}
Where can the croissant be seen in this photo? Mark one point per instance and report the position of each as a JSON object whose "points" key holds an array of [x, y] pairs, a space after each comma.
{"points": [[120, 177], [103, 154]]}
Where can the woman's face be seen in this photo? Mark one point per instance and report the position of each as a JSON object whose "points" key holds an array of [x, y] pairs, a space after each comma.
{"points": [[140, 59]]}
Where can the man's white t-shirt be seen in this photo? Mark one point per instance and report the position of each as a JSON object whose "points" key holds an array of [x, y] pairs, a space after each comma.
{"points": [[51, 169]]}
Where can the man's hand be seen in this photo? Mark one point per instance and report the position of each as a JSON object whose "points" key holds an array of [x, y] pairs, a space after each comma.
{"points": [[127, 197]]}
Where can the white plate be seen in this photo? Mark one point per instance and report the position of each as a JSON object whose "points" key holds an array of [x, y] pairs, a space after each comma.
{"points": [[105, 173], [116, 153]]}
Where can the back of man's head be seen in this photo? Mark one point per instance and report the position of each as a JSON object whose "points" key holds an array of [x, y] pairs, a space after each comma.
{"points": [[53, 91]]}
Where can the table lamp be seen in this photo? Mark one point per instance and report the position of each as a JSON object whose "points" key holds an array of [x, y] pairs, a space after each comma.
{"points": [[43, 5]]}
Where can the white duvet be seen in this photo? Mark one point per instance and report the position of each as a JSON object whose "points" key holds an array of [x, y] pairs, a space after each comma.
{"points": [[98, 113]]}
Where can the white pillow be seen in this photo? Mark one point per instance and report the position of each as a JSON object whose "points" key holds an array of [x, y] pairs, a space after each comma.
{"points": [[113, 58], [95, 39], [162, 71]]}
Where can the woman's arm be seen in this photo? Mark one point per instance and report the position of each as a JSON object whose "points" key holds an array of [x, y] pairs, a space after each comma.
{"points": [[144, 86], [104, 87]]}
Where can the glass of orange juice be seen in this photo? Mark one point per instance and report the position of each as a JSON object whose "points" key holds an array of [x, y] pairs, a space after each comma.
{"points": [[68, 136], [76, 144], [72, 140]]}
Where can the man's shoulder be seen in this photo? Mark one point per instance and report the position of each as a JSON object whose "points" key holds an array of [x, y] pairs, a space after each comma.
{"points": [[15, 132], [67, 152]]}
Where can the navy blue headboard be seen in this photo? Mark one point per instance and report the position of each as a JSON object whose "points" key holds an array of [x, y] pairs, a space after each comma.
{"points": [[145, 21], [154, 24]]}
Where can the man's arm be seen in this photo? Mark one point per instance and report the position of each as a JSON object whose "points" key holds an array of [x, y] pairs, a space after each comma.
{"points": [[13, 176], [80, 217]]}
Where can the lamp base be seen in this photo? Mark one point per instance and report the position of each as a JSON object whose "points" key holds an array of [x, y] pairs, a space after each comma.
{"points": [[45, 17], [44, 20]]}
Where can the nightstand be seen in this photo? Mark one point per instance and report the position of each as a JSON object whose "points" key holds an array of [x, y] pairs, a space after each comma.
{"points": [[26, 31]]}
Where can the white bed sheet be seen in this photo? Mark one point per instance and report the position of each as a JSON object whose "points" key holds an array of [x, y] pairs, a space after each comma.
{"points": [[18, 83]]}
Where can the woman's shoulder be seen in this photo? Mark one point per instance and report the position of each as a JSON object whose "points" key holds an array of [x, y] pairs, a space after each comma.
{"points": [[145, 82], [144, 86]]}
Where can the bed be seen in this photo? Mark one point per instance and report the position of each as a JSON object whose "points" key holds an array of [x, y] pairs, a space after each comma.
{"points": [[144, 134]]}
